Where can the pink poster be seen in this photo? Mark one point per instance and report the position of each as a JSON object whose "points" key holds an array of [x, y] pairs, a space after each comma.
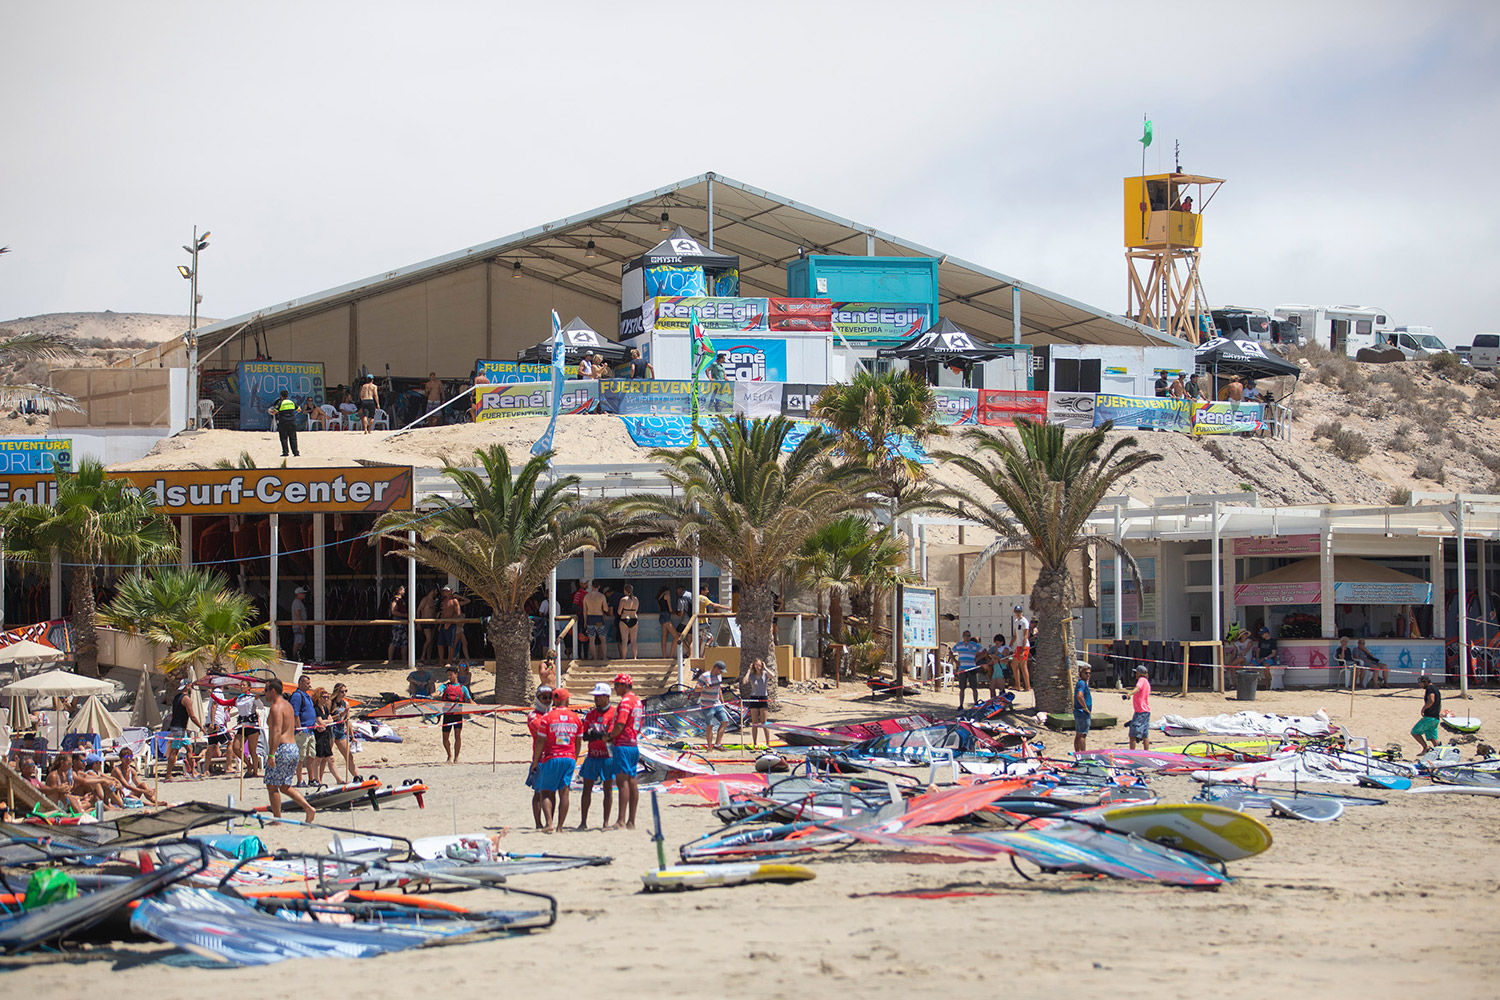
{"points": [[1277, 593]]}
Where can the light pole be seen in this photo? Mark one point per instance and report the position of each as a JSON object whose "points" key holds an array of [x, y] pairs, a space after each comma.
{"points": [[191, 274]]}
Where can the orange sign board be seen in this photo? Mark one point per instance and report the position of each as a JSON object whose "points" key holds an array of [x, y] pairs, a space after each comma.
{"points": [[356, 490]]}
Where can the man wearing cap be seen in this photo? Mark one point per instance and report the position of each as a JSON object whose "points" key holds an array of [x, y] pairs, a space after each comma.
{"points": [[710, 688], [177, 723], [966, 652], [598, 765], [1140, 707], [1020, 661], [299, 617], [305, 714], [542, 706], [624, 737], [1083, 710], [554, 753], [285, 412]]}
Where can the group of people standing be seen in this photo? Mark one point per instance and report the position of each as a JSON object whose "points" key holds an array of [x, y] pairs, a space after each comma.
{"points": [[999, 664], [611, 733]]}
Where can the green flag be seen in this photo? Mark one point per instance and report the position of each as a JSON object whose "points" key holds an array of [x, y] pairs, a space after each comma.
{"points": [[1146, 135]]}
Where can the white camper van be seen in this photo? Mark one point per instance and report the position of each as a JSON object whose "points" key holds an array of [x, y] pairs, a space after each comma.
{"points": [[1486, 350], [1341, 329]]}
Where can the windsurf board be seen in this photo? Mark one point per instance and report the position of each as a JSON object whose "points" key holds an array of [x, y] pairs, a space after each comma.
{"points": [[1312, 810], [680, 877], [1206, 830]]}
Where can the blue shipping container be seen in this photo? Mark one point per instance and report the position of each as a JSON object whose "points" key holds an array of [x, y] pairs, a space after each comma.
{"points": [[864, 279]]}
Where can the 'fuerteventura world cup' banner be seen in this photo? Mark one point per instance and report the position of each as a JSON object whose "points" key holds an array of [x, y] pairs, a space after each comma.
{"points": [[533, 399], [261, 383], [955, 405], [1228, 418], [1001, 407], [1071, 409], [637, 396], [508, 372], [36, 455], [880, 321], [1144, 412]]}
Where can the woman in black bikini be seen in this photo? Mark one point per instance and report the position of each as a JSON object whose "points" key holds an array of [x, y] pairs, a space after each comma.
{"points": [[339, 716], [664, 598], [630, 624]]}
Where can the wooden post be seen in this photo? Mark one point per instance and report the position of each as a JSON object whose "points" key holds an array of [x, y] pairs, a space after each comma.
{"points": [[1186, 651]]}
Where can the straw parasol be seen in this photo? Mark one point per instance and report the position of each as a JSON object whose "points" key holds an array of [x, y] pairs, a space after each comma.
{"points": [[94, 718]]}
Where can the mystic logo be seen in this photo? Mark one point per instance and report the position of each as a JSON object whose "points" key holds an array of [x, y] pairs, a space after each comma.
{"points": [[687, 248], [798, 402], [743, 363], [631, 324]]}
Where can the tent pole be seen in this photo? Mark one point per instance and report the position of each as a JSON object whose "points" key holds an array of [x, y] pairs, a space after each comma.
{"points": [[710, 211], [1463, 602]]}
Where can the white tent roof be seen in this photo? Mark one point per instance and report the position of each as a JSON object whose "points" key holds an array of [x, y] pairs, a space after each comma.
{"points": [[766, 231]]}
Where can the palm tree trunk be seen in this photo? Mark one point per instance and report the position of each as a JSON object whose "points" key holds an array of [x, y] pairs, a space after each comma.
{"points": [[836, 615], [510, 634], [85, 639], [1051, 664], [757, 632]]}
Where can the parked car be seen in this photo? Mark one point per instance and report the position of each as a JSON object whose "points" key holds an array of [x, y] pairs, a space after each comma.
{"points": [[1416, 345]]}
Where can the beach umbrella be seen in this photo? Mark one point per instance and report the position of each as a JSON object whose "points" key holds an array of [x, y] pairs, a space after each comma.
{"points": [[94, 718], [20, 712], [26, 651], [58, 684], [145, 712]]}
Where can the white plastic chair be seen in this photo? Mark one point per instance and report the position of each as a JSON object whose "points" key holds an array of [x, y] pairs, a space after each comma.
{"points": [[382, 421], [205, 413], [325, 417]]}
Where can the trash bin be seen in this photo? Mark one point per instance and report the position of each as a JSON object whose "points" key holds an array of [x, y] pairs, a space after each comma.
{"points": [[1245, 683]]}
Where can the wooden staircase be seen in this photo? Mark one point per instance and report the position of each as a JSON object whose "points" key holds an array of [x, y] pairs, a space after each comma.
{"points": [[651, 676]]}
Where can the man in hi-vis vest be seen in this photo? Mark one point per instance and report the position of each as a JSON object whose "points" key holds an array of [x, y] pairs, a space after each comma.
{"points": [[285, 412]]}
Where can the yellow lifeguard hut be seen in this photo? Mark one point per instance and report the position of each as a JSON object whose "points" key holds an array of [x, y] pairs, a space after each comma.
{"points": [[1164, 242]]}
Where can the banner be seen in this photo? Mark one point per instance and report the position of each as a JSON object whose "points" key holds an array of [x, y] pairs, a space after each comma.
{"points": [[1070, 409], [919, 618], [757, 399], [678, 281], [752, 359], [797, 398], [1277, 593], [880, 321], [369, 489], [1144, 412], [1001, 407], [507, 372], [800, 315], [543, 444], [261, 383], [633, 396], [715, 314], [955, 405], [1353, 592], [40, 456], [1278, 545], [659, 430], [533, 399], [1228, 418]]}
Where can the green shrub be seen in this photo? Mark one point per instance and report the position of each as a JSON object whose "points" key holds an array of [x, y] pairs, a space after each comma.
{"points": [[1400, 497], [1351, 446], [1431, 468]]}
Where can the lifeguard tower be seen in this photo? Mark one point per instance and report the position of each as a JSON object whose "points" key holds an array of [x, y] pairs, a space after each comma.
{"points": [[1164, 241]]}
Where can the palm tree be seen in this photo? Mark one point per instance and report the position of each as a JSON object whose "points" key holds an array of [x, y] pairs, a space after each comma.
{"points": [[851, 556], [737, 500], [502, 538], [874, 416], [157, 604], [215, 628], [95, 522], [23, 347], [1037, 491]]}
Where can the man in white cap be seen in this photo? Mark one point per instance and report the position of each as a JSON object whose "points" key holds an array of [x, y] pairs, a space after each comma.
{"points": [[598, 764], [1020, 639], [299, 617]]}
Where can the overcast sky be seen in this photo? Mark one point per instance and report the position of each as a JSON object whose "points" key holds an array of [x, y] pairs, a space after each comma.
{"points": [[325, 142]]}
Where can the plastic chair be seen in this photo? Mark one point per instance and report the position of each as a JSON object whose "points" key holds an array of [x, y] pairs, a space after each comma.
{"points": [[325, 417], [205, 413], [382, 421]]}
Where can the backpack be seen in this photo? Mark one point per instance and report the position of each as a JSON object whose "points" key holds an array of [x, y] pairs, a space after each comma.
{"points": [[453, 692]]}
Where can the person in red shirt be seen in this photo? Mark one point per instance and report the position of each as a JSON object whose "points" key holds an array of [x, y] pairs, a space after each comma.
{"points": [[624, 737], [599, 764], [554, 754], [533, 719]]}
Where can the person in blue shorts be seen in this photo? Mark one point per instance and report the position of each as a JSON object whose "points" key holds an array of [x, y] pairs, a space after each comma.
{"points": [[555, 754], [598, 764], [1083, 710]]}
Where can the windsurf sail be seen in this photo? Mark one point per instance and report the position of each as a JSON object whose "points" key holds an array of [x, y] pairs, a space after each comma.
{"points": [[71, 916]]}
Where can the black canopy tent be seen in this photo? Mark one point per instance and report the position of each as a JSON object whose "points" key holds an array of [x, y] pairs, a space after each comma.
{"points": [[578, 339], [682, 249], [1245, 358], [947, 342]]}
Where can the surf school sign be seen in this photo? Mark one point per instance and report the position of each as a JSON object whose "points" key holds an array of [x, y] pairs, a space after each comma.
{"points": [[359, 490]]}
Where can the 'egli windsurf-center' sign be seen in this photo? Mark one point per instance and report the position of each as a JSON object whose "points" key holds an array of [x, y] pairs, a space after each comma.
{"points": [[355, 490]]}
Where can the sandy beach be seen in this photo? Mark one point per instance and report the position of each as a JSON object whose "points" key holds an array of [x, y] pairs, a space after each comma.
{"points": [[1385, 901]]}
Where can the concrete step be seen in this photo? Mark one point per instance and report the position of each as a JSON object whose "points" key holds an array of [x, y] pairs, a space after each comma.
{"points": [[650, 676]]}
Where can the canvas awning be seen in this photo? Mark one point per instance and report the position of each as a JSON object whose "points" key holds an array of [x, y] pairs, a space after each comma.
{"points": [[1355, 581]]}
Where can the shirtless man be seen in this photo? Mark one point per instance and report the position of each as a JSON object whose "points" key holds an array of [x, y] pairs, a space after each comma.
{"points": [[451, 637], [427, 609], [434, 391], [369, 401], [480, 378], [595, 621], [281, 765]]}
